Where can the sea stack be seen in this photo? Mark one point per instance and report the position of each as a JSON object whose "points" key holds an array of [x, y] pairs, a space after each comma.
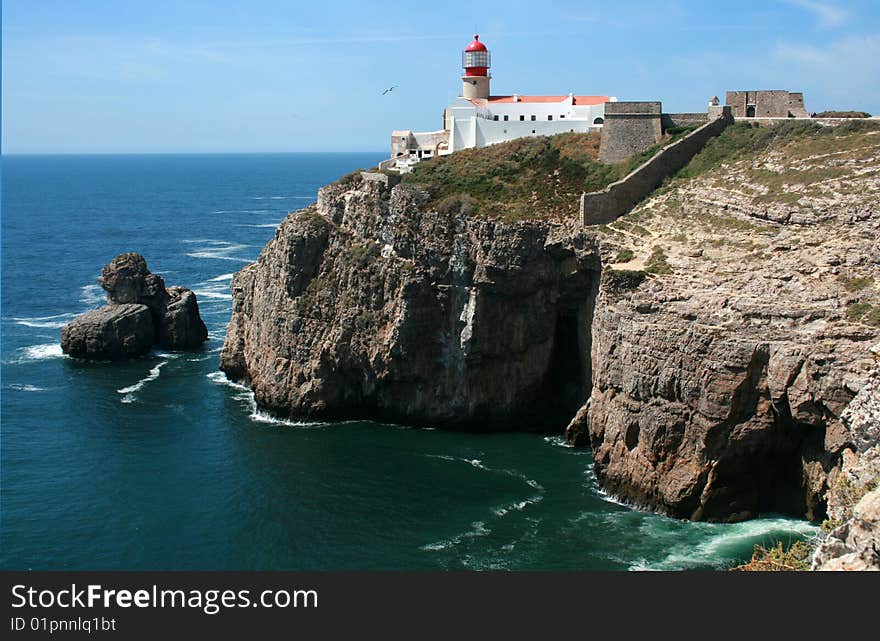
{"points": [[140, 313]]}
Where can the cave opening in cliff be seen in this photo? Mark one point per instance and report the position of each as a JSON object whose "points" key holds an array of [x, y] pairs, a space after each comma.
{"points": [[564, 387]]}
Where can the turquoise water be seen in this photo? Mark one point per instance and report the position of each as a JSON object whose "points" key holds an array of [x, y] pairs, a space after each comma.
{"points": [[161, 463]]}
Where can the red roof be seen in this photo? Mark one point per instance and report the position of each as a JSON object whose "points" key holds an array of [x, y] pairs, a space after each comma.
{"points": [[578, 100], [476, 45]]}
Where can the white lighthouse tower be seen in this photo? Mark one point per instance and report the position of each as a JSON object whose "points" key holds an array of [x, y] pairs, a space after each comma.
{"points": [[476, 61]]}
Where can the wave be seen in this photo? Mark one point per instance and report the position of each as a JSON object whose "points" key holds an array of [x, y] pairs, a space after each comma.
{"points": [[246, 394], [209, 294], [519, 505], [46, 322], [221, 278], [92, 295], [261, 226], [26, 388], [558, 441], [42, 352], [478, 463], [478, 529], [723, 541], [129, 392], [217, 250]]}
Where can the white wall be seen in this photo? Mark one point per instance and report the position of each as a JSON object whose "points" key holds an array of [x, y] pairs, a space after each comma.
{"points": [[490, 132]]}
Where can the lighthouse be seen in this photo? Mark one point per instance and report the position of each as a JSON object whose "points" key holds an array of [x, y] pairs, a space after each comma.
{"points": [[476, 118], [476, 61]]}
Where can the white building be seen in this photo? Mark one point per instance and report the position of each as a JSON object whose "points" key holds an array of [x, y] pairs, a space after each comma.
{"points": [[478, 119]]}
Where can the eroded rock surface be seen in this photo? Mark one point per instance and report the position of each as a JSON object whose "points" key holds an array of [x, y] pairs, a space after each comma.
{"points": [[720, 382], [113, 332], [140, 313], [369, 305]]}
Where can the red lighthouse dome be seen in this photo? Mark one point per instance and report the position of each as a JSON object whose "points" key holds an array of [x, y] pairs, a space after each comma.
{"points": [[475, 58]]}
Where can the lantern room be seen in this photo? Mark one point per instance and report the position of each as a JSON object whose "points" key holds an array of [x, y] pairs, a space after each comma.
{"points": [[475, 59]]}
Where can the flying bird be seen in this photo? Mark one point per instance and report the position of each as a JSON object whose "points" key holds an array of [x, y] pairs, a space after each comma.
{"points": [[390, 89]]}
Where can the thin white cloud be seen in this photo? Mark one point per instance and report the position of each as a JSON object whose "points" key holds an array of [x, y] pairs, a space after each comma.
{"points": [[828, 15]]}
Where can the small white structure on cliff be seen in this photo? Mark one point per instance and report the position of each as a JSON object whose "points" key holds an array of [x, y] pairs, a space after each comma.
{"points": [[478, 119]]}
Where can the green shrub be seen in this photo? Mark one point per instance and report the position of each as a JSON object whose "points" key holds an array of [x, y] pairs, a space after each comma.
{"points": [[855, 284], [863, 312], [624, 256], [622, 279], [795, 558], [843, 114], [657, 263]]}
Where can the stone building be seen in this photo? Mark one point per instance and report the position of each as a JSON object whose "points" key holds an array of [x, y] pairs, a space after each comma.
{"points": [[767, 104]]}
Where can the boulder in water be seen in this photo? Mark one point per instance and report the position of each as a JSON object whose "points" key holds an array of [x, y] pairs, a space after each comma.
{"points": [[113, 332], [140, 313]]}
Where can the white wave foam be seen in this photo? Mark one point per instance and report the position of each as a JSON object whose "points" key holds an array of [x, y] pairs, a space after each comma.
{"points": [[262, 226], [42, 352], [726, 540], [221, 278], [219, 250], [255, 413], [478, 463], [129, 392], [519, 505], [203, 293], [478, 529], [26, 388], [558, 441], [49, 322], [92, 295]]}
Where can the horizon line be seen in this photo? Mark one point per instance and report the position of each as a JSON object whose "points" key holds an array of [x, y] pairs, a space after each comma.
{"points": [[178, 153]]}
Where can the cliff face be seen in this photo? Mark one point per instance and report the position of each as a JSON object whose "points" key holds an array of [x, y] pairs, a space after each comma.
{"points": [[366, 305], [719, 383], [707, 344]]}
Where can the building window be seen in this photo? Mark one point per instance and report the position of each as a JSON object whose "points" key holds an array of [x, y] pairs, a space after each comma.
{"points": [[533, 118], [549, 117], [562, 116], [505, 131], [533, 131], [495, 118], [598, 121], [505, 118], [522, 117]]}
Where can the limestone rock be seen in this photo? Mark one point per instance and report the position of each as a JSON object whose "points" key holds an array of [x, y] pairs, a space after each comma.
{"points": [[371, 305], [113, 332], [181, 326], [139, 314]]}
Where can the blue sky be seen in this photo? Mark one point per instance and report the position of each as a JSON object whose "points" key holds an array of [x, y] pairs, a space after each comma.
{"points": [[213, 76]]}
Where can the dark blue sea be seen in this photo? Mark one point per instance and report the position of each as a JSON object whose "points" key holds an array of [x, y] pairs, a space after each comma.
{"points": [[161, 463]]}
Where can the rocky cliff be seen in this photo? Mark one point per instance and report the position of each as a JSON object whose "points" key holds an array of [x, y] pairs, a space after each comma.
{"points": [[719, 383], [370, 304], [707, 344]]}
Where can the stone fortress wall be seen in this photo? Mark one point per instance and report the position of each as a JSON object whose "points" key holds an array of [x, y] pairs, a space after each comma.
{"points": [[605, 206], [630, 128], [767, 104]]}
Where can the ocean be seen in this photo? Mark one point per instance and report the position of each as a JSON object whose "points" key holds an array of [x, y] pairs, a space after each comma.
{"points": [[163, 464]]}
